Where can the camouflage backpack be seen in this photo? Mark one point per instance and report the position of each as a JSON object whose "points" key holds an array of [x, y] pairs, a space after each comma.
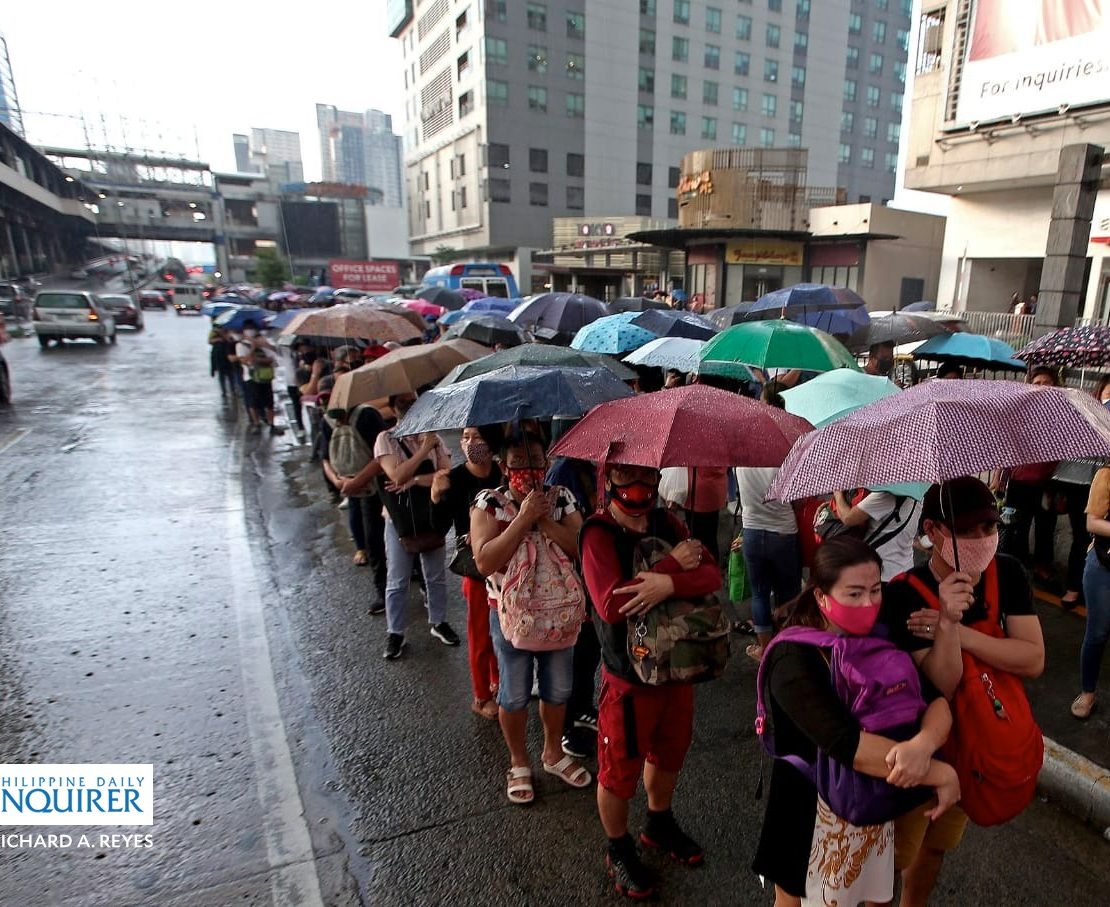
{"points": [[679, 640]]}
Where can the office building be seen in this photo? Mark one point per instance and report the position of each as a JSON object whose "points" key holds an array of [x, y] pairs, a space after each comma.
{"points": [[277, 153], [519, 112], [384, 158], [1010, 119], [10, 113], [361, 149]]}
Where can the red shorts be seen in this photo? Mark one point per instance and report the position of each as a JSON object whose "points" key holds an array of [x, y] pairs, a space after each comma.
{"points": [[634, 725]]}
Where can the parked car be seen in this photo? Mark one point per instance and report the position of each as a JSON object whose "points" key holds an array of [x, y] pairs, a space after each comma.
{"points": [[15, 302], [153, 299], [70, 314], [124, 309]]}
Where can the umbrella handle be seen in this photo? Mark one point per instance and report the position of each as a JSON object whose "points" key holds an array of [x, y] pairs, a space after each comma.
{"points": [[952, 515]]}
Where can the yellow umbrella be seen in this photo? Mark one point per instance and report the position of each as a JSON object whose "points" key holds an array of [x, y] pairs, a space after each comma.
{"points": [[351, 321], [402, 371]]}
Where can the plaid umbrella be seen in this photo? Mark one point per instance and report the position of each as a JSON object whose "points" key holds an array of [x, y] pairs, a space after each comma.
{"points": [[671, 323], [559, 312], [1086, 347], [684, 426], [942, 430], [974, 350], [612, 334]]}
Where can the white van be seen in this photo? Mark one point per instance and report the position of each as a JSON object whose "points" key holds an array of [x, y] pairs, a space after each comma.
{"points": [[186, 297]]}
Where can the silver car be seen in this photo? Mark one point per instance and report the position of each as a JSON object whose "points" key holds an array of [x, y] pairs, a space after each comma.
{"points": [[70, 314]]}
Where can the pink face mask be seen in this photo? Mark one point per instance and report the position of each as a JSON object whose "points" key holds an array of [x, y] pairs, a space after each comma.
{"points": [[856, 620], [975, 554]]}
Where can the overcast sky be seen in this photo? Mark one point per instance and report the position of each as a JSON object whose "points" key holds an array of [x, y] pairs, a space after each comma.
{"points": [[149, 74]]}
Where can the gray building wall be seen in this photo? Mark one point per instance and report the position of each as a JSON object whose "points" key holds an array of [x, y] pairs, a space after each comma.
{"points": [[242, 146]]}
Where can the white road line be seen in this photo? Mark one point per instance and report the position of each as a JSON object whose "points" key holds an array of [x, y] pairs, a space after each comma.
{"points": [[288, 843], [20, 434]]}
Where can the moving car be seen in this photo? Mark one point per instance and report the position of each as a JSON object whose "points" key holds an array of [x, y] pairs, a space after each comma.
{"points": [[153, 299], [187, 298], [124, 309], [71, 314]]}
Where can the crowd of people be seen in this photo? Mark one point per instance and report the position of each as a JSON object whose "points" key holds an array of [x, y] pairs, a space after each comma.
{"points": [[561, 561]]}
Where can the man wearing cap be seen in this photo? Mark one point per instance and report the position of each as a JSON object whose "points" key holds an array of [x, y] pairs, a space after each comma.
{"points": [[961, 520]]}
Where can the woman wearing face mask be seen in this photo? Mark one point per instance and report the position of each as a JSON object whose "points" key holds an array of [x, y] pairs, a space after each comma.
{"points": [[641, 729], [810, 713], [459, 488], [961, 519]]}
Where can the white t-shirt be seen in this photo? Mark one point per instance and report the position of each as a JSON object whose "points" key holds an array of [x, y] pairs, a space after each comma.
{"points": [[246, 351], [287, 359], [770, 516], [897, 554]]}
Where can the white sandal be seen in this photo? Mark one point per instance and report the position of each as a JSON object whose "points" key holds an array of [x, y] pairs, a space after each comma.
{"points": [[579, 778], [520, 782]]}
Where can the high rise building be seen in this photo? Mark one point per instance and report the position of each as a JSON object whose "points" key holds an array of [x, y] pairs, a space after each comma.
{"points": [[242, 145], [361, 148], [277, 153], [519, 112], [384, 158], [10, 113]]}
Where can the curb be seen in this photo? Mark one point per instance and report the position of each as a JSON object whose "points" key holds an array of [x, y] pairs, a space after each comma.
{"points": [[1077, 784]]}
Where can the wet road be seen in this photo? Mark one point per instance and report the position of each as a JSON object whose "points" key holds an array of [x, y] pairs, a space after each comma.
{"points": [[175, 591]]}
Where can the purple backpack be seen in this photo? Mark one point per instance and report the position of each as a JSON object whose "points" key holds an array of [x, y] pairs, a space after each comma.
{"points": [[880, 686]]}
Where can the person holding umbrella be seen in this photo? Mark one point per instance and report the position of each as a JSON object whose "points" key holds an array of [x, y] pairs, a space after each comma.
{"points": [[256, 357], [880, 359]]}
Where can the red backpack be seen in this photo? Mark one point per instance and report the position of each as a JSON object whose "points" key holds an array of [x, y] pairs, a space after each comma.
{"points": [[995, 746]]}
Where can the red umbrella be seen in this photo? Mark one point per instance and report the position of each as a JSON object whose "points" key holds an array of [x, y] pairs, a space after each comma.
{"points": [[684, 426]]}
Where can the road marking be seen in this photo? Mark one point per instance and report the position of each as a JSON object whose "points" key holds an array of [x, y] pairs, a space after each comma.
{"points": [[288, 843], [18, 435]]}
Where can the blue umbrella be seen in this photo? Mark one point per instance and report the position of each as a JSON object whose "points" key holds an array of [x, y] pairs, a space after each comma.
{"points": [[612, 334], [279, 320], [838, 322], [494, 304], [974, 350], [213, 307], [236, 319], [672, 323], [322, 294], [809, 297], [449, 318], [512, 393], [561, 313]]}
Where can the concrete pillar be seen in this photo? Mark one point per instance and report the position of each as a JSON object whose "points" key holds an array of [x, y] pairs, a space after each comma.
{"points": [[1069, 233]]}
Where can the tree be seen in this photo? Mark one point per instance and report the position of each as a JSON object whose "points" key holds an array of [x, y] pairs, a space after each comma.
{"points": [[270, 269], [444, 255]]}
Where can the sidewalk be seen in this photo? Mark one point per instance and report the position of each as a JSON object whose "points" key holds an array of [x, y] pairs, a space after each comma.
{"points": [[1077, 753]]}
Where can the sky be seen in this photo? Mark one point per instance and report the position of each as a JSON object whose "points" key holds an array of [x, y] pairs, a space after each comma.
{"points": [[172, 77]]}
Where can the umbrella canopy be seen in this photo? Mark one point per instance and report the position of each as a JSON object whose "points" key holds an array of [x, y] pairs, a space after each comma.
{"points": [[363, 321], [671, 323], [541, 356], [942, 430], [974, 350], [495, 304], [684, 426], [897, 328], [679, 353], [729, 315], [558, 312], [1086, 347], [279, 320], [423, 308], [395, 308], [635, 304], [402, 371], [810, 297], [450, 318], [237, 319], [834, 394], [213, 308], [441, 296], [779, 344], [923, 306], [489, 330], [511, 393], [612, 334], [470, 294], [853, 322]]}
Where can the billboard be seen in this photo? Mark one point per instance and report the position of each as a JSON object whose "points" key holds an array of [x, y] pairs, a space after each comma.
{"points": [[1034, 56], [375, 276]]}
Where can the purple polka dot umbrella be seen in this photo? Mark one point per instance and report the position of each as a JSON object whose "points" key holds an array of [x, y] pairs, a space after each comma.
{"points": [[1086, 347], [942, 430]]}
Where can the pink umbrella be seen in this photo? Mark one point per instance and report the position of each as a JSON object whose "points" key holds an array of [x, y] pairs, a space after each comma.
{"points": [[942, 430], [423, 308], [470, 294]]}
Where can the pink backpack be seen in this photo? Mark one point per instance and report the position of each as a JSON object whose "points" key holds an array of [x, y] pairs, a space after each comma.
{"points": [[541, 603]]}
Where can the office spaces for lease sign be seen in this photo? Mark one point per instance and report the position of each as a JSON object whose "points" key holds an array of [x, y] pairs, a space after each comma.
{"points": [[374, 276], [1032, 56]]}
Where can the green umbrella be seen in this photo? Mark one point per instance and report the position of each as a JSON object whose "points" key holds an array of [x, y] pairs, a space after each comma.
{"points": [[778, 344], [539, 355], [827, 397]]}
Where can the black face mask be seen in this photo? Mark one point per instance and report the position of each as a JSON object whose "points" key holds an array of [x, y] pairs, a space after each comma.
{"points": [[884, 365]]}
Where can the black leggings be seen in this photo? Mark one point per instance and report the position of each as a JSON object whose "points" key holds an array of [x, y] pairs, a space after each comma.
{"points": [[364, 515]]}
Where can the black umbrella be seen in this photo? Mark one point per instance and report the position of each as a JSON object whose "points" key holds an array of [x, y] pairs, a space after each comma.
{"points": [[635, 304], [490, 330], [442, 296], [729, 315], [560, 312], [540, 356], [675, 324], [897, 328]]}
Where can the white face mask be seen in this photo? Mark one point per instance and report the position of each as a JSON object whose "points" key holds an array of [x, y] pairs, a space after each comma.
{"points": [[975, 553], [250, 332]]}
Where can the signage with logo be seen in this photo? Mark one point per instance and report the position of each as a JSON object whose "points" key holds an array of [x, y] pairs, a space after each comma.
{"points": [[597, 230], [763, 252], [1100, 222], [376, 276], [77, 794], [696, 184]]}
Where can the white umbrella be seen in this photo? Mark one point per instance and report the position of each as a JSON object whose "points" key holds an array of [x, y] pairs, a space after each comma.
{"points": [[679, 353]]}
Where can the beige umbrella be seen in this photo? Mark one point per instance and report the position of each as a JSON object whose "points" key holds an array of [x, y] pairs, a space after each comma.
{"points": [[402, 371], [351, 321], [395, 308]]}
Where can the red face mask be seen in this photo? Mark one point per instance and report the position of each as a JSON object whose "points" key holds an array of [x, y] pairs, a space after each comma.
{"points": [[524, 480], [857, 620], [635, 498]]}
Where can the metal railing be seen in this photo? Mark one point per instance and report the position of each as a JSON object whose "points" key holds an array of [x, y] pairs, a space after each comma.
{"points": [[1016, 330]]}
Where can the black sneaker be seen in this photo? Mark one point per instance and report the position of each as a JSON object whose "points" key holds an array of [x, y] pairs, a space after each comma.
{"points": [[394, 646], [586, 721], [277, 430], [444, 633], [579, 743], [662, 833], [631, 877], [377, 607]]}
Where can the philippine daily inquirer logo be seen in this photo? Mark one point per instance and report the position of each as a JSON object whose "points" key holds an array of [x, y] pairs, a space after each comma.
{"points": [[108, 794]]}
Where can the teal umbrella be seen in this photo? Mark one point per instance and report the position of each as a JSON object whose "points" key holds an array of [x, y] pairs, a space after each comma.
{"points": [[834, 394], [612, 334]]}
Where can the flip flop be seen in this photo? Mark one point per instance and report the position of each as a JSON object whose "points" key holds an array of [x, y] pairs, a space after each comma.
{"points": [[1082, 710], [478, 707], [579, 778], [520, 783]]}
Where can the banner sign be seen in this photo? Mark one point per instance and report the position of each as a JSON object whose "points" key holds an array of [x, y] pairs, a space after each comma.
{"points": [[378, 276]]}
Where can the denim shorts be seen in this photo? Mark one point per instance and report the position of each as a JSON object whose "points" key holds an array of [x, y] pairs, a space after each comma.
{"points": [[516, 668]]}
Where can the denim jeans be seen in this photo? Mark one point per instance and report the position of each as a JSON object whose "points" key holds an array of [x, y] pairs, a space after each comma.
{"points": [[515, 668], [1096, 590], [398, 564], [774, 562]]}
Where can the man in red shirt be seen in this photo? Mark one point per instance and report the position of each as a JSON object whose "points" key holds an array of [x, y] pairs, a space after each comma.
{"points": [[641, 728]]}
